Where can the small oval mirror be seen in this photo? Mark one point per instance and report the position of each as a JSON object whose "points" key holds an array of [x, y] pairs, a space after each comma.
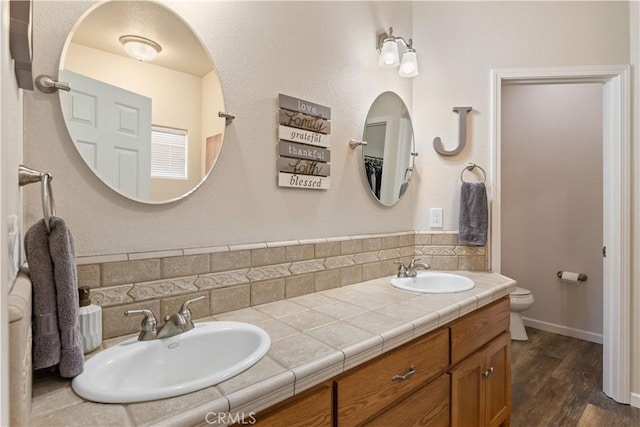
{"points": [[387, 158], [144, 100]]}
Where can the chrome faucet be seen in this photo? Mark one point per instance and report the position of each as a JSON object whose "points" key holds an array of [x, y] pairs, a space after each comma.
{"points": [[174, 324], [410, 270]]}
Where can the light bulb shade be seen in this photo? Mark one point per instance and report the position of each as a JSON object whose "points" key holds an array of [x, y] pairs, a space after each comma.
{"points": [[389, 55], [140, 48], [409, 65]]}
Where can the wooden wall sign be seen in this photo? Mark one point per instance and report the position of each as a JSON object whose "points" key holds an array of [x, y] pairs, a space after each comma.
{"points": [[303, 147]]}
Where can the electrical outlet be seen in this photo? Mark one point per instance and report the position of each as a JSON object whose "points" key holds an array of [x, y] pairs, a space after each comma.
{"points": [[435, 217]]}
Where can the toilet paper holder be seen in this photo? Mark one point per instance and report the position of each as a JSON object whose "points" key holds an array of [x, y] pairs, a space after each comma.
{"points": [[581, 276]]}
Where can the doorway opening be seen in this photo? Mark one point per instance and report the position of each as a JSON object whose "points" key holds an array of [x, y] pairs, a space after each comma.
{"points": [[616, 204]]}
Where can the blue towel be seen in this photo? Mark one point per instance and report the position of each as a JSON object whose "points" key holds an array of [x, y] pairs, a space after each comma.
{"points": [[474, 214]]}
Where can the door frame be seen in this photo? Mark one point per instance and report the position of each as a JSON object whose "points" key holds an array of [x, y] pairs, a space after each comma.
{"points": [[616, 203]]}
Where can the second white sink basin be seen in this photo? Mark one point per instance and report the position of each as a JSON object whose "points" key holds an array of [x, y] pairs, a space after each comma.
{"points": [[431, 282], [136, 371]]}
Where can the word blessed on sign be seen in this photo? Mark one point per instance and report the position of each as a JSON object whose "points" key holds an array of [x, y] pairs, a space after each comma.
{"points": [[303, 131]]}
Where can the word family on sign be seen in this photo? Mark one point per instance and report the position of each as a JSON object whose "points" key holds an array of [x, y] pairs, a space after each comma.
{"points": [[303, 131]]}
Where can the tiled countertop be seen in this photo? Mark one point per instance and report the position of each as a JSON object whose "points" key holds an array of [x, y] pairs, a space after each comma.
{"points": [[314, 338]]}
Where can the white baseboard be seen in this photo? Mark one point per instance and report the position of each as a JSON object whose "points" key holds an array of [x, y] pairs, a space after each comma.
{"points": [[563, 330], [635, 400]]}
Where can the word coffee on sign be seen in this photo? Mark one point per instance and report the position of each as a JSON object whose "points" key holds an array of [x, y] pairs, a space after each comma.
{"points": [[304, 121], [295, 104], [303, 167], [303, 136], [291, 149], [303, 181]]}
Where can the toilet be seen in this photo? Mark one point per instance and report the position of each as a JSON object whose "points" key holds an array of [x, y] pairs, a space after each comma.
{"points": [[521, 300]]}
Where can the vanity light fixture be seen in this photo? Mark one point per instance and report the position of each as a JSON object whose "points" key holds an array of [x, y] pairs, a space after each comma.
{"points": [[390, 47], [140, 48]]}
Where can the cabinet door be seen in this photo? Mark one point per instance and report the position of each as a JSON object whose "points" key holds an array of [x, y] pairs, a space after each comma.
{"points": [[468, 392], [481, 386], [311, 408], [498, 383]]}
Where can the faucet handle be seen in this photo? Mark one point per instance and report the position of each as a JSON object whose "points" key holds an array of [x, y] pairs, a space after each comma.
{"points": [[184, 310], [149, 322], [412, 263], [402, 269]]}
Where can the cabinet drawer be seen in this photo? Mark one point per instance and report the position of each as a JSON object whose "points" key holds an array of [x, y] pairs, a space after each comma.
{"points": [[472, 331], [366, 390], [428, 406]]}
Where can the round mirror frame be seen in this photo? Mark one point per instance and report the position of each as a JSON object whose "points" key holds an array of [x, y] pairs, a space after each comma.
{"points": [[395, 123], [201, 157]]}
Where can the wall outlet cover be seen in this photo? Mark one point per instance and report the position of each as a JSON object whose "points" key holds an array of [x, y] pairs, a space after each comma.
{"points": [[435, 217]]}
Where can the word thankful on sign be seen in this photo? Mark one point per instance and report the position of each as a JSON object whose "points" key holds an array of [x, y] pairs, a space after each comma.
{"points": [[301, 151], [303, 131]]}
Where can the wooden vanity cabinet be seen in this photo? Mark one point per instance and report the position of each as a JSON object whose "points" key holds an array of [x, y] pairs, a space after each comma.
{"points": [[481, 380], [458, 375]]}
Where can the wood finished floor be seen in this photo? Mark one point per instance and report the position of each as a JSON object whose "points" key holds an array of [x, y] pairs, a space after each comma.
{"points": [[557, 381]]}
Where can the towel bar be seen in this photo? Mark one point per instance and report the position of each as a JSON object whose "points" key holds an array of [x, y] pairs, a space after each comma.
{"points": [[471, 166], [27, 176]]}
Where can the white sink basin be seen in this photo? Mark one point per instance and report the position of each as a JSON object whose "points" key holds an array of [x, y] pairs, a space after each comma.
{"points": [[136, 371], [431, 282]]}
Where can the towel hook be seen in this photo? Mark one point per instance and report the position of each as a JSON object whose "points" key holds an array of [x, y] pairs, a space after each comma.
{"points": [[27, 176], [470, 167]]}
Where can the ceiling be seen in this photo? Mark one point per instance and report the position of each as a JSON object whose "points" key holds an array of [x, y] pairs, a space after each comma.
{"points": [[181, 49]]}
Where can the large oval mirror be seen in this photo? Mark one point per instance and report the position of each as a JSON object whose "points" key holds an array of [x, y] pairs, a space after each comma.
{"points": [[144, 100], [388, 155]]}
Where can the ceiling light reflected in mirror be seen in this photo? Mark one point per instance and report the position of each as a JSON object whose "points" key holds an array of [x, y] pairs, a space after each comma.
{"points": [[140, 48]]}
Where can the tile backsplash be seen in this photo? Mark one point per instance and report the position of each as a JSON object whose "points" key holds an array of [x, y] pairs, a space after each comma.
{"points": [[235, 277]]}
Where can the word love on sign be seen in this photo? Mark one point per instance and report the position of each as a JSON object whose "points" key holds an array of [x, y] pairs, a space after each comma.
{"points": [[303, 131]]}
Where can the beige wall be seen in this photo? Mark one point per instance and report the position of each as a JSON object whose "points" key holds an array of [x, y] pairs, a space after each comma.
{"points": [[552, 201], [458, 43], [241, 201]]}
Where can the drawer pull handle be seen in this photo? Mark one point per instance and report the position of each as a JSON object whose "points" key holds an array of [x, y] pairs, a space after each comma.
{"points": [[412, 370], [488, 372]]}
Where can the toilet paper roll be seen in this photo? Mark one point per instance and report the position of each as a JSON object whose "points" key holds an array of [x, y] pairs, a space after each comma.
{"points": [[569, 276]]}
